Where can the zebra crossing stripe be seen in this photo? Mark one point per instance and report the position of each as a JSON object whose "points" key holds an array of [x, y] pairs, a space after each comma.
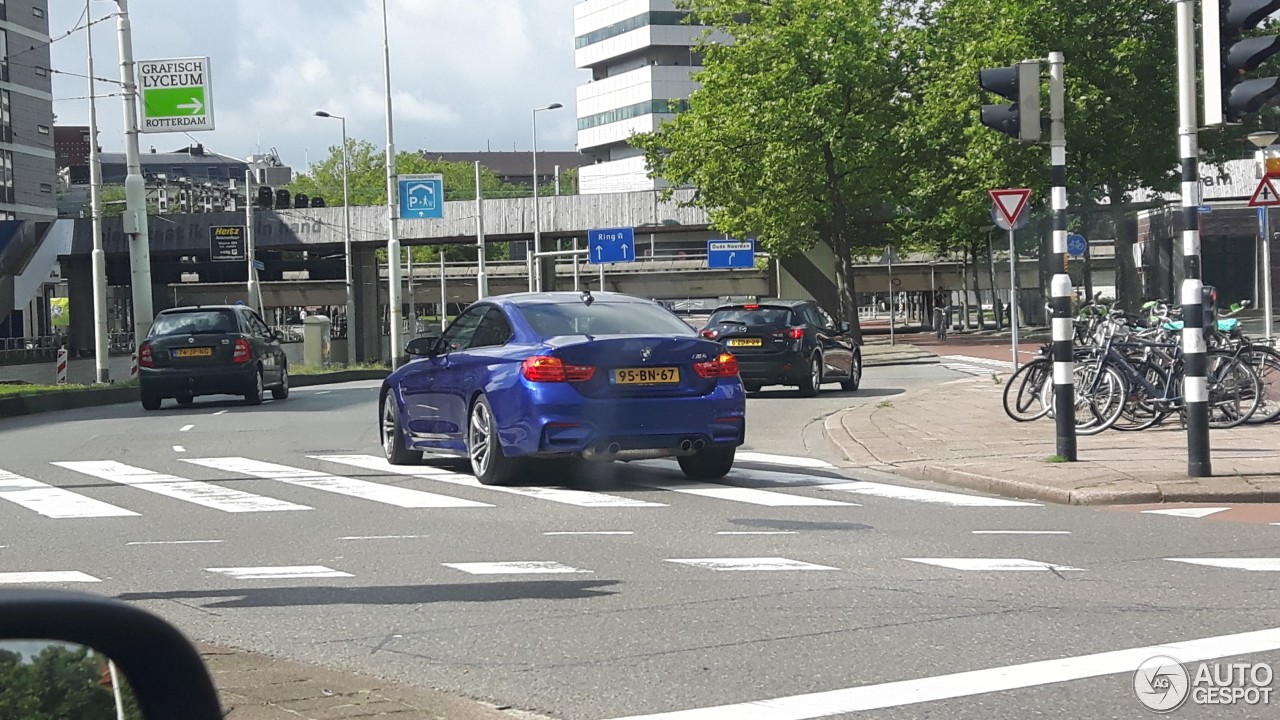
{"points": [[751, 496], [192, 491], [787, 460], [363, 489], [54, 502], [25, 578], [566, 496], [900, 492]]}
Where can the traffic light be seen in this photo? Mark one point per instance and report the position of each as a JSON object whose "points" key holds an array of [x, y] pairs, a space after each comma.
{"points": [[300, 201], [1228, 96], [282, 200], [1021, 84], [266, 198], [317, 202]]}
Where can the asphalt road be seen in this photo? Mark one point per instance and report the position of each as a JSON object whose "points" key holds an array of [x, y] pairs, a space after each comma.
{"points": [[633, 592]]}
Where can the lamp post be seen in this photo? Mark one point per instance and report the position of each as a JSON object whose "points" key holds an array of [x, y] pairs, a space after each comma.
{"points": [[1263, 140], [346, 240], [395, 312], [535, 279]]}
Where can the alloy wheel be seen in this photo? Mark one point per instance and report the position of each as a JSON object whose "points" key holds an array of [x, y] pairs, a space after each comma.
{"points": [[480, 438]]}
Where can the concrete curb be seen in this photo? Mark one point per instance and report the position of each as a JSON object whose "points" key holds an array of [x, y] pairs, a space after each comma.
{"points": [[19, 405]]}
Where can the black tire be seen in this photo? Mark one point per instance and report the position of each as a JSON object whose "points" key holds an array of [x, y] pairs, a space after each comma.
{"points": [[255, 398], [710, 463], [393, 448], [752, 386], [484, 448], [151, 400], [811, 383], [855, 374], [281, 391], [185, 399]]}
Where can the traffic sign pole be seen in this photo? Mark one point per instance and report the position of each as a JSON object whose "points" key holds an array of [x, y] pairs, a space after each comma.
{"points": [[101, 337], [135, 200], [1063, 328], [249, 248], [395, 312]]}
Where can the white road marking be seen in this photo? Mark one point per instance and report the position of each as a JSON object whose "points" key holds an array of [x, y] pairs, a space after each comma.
{"points": [[192, 491], [21, 578], [992, 564], [737, 494], [270, 573], [363, 489], [977, 682], [174, 542], [179, 448], [1021, 532], [54, 502], [567, 496], [901, 492], [222, 412], [1001, 364], [790, 460], [1252, 564], [324, 392], [750, 564], [591, 532], [756, 532], [531, 567], [1186, 512], [185, 428], [382, 537]]}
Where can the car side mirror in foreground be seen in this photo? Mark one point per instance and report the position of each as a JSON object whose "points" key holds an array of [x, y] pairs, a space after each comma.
{"points": [[422, 346], [115, 645]]}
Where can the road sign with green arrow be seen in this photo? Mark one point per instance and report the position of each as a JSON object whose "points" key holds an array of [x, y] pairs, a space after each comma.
{"points": [[177, 95]]}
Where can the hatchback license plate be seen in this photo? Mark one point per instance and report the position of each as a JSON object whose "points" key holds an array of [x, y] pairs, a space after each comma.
{"points": [[646, 376], [193, 352], [746, 342]]}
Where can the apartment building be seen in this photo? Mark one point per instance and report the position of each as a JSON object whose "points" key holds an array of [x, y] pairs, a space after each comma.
{"points": [[27, 176]]}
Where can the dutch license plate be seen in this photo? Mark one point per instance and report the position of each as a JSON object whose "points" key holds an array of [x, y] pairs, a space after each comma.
{"points": [[646, 376], [193, 352], [745, 342]]}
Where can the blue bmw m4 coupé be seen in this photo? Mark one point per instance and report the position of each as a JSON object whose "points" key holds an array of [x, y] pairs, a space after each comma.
{"points": [[565, 374]]}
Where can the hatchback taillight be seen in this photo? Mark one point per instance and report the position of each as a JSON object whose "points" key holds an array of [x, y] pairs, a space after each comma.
{"points": [[725, 365], [242, 353], [797, 333], [543, 368], [145, 358], [709, 334]]}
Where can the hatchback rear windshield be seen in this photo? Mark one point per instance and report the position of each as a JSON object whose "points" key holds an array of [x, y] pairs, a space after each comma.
{"points": [[603, 318], [195, 322], [752, 317]]}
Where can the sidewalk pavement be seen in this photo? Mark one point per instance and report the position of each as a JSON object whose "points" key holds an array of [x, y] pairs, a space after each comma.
{"points": [[880, 353], [958, 433]]}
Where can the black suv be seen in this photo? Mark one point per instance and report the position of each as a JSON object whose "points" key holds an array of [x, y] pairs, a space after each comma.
{"points": [[787, 342]]}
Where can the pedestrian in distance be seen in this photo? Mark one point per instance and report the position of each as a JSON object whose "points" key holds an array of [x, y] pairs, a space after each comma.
{"points": [[941, 312]]}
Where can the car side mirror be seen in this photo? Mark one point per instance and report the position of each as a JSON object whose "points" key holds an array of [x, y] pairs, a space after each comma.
{"points": [[423, 346], [844, 326]]}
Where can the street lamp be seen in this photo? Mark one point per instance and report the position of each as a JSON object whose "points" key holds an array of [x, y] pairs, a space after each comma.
{"points": [[346, 239], [535, 279], [1262, 140]]}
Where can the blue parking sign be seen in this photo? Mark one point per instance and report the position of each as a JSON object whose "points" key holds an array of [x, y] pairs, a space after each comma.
{"points": [[421, 196]]}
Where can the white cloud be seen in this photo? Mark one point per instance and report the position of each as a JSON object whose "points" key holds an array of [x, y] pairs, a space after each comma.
{"points": [[465, 73]]}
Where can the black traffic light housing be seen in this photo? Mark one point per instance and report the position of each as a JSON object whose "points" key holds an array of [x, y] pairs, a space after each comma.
{"points": [[1228, 96], [300, 201], [317, 201], [282, 200], [1021, 84], [265, 197]]}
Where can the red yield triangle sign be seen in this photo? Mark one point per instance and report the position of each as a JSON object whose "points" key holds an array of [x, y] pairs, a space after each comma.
{"points": [[1010, 203], [1265, 194]]}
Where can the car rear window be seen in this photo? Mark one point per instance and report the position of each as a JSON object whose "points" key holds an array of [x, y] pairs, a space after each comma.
{"points": [[195, 322], [602, 318], [752, 317]]}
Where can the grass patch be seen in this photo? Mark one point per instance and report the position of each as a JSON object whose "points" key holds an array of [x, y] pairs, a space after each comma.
{"points": [[325, 369], [15, 390], [1055, 459]]}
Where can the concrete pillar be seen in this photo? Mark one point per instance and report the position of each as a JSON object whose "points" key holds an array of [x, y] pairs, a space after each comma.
{"points": [[79, 274], [368, 292]]}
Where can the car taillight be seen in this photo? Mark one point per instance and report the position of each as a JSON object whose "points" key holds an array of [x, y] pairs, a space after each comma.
{"points": [[725, 365], [542, 368], [796, 333], [145, 358], [710, 334], [243, 353]]}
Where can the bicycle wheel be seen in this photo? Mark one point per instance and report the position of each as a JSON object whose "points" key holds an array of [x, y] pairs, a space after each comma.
{"points": [[1099, 397], [1142, 409], [1022, 391], [1234, 389], [1266, 362]]}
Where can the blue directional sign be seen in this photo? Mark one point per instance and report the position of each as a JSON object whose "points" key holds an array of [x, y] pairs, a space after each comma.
{"points": [[611, 245], [421, 196], [1076, 245], [731, 253]]}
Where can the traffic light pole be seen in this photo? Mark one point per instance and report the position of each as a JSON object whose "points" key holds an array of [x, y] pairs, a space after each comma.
{"points": [[1060, 287], [1196, 386]]}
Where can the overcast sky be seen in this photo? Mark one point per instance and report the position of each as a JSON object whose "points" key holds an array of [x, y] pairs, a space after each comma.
{"points": [[465, 75]]}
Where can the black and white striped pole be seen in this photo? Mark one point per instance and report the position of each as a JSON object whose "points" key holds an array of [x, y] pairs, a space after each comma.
{"points": [[1060, 287], [1195, 383]]}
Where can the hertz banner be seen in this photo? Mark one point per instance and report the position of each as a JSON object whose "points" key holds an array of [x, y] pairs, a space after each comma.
{"points": [[226, 243]]}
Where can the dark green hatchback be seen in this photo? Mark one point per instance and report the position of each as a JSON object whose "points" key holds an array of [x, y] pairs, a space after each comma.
{"points": [[211, 350]]}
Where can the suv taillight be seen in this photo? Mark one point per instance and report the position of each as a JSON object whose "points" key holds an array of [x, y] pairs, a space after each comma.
{"points": [[543, 368], [725, 365], [243, 353], [145, 358]]}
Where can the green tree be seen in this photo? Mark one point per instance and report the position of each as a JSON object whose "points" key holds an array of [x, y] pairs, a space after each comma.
{"points": [[787, 136], [57, 683]]}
